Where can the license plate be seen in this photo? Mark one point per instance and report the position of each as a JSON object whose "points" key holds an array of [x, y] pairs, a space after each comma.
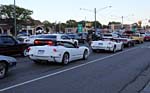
{"points": [[41, 51], [100, 43]]}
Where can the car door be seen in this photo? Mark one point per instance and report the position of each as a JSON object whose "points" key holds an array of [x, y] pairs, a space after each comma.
{"points": [[73, 50], [8, 45], [66, 38], [118, 44]]}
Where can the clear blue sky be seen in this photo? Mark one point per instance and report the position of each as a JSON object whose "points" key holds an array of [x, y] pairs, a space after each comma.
{"points": [[62, 10]]}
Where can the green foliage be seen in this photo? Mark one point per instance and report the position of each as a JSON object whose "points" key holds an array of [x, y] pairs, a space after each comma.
{"points": [[7, 11]]}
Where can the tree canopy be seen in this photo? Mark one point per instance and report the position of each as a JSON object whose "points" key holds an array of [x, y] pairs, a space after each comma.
{"points": [[7, 12]]}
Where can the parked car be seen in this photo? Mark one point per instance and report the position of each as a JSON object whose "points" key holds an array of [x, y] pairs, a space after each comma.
{"points": [[83, 37], [138, 38], [55, 37], [22, 37], [30, 39], [58, 51], [147, 37], [126, 41], [10, 46], [109, 35], [107, 45], [75, 36], [6, 63]]}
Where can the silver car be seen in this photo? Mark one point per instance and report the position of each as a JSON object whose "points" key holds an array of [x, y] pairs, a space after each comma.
{"points": [[6, 63]]}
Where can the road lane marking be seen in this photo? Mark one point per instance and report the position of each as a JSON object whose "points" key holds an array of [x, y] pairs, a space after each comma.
{"points": [[58, 72]]}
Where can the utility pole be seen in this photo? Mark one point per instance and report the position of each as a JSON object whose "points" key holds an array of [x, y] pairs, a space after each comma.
{"points": [[95, 19], [15, 19], [122, 22], [95, 13]]}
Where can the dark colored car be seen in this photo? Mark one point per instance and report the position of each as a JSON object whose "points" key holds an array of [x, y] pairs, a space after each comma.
{"points": [[10, 46], [83, 37], [5, 64]]}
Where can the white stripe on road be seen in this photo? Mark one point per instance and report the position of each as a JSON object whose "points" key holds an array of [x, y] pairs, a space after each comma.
{"points": [[52, 74]]}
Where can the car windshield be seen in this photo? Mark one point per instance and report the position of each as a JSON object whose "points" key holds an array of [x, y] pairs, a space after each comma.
{"points": [[52, 37]]}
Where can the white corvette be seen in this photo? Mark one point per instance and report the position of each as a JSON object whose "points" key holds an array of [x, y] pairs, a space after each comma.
{"points": [[58, 51], [107, 44]]}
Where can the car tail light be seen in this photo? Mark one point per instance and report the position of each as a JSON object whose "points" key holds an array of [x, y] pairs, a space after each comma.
{"points": [[49, 43], [28, 49], [54, 50], [37, 42]]}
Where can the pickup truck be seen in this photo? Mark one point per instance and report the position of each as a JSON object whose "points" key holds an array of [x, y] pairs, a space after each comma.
{"points": [[10, 46]]}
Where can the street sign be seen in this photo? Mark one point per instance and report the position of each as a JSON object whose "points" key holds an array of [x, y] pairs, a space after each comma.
{"points": [[80, 27]]}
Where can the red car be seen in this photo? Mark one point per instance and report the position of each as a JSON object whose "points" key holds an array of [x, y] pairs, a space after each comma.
{"points": [[147, 37]]}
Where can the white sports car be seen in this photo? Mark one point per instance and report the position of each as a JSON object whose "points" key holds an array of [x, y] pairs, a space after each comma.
{"points": [[58, 51], [107, 44]]}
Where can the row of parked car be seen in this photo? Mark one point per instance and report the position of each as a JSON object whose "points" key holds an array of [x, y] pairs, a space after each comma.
{"points": [[60, 48]]}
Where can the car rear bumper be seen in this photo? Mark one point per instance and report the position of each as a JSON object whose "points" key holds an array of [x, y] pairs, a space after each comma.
{"points": [[46, 58], [107, 48]]}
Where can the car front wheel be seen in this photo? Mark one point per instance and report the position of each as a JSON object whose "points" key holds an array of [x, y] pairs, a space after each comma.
{"points": [[65, 59], [85, 54], [3, 70]]}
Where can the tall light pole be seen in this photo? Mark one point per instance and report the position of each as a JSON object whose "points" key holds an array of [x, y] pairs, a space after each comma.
{"points": [[95, 13], [15, 19], [95, 19]]}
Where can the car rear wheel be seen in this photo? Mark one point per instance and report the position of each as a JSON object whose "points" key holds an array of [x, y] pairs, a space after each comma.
{"points": [[114, 49], [122, 47], [94, 50], [65, 59], [85, 54], [3, 70], [25, 53], [75, 43], [129, 44]]}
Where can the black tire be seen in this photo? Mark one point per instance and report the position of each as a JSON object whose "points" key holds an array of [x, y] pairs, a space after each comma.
{"points": [[3, 70], [94, 50], [122, 47], [24, 53], [133, 43], [129, 44], [85, 55], [75, 43], [65, 59], [114, 49]]}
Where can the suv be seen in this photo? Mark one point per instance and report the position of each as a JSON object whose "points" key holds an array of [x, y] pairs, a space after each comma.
{"points": [[10, 46]]}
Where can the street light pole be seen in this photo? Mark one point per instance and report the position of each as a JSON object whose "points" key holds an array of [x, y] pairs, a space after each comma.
{"points": [[15, 18], [95, 19], [95, 13], [122, 22]]}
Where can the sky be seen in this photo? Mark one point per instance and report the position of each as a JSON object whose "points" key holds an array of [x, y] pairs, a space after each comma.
{"points": [[63, 10]]}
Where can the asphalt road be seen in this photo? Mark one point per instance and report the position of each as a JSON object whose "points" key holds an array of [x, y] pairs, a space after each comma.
{"points": [[100, 73]]}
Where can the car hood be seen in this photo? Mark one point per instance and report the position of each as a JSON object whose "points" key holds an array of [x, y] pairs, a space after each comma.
{"points": [[7, 58]]}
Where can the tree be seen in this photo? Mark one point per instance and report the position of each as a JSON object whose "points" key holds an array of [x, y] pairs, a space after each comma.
{"points": [[113, 22], [71, 23], [47, 25], [7, 11], [98, 24]]}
